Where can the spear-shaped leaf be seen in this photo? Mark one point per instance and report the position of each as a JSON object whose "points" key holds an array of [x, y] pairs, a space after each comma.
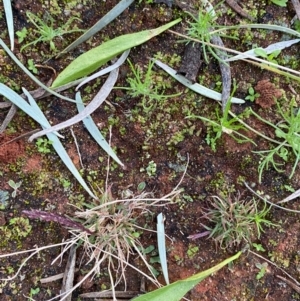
{"points": [[90, 61]]}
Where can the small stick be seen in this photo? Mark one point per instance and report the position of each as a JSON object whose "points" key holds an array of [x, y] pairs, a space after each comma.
{"points": [[290, 283], [77, 147], [234, 5], [296, 5], [69, 274]]}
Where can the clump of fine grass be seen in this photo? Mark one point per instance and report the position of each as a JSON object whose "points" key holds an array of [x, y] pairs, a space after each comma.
{"points": [[236, 220], [108, 231]]}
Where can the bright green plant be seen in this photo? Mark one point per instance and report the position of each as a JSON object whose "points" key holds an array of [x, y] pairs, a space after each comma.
{"points": [[235, 220], [280, 2], [15, 187], [201, 28], [31, 66], [33, 292], [151, 169], [252, 95], [144, 85], [45, 31], [22, 34], [288, 131], [93, 59], [258, 247], [262, 270], [176, 290], [192, 251], [268, 57], [43, 145], [224, 124], [20, 226]]}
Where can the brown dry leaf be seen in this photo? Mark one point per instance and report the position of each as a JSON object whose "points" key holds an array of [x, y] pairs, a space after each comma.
{"points": [[268, 93]]}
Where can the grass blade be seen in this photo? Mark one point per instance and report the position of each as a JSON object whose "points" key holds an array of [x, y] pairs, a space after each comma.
{"points": [[94, 131], [195, 87], [268, 50], [176, 290], [117, 64], [15, 59], [105, 20], [160, 227], [93, 105], [93, 59], [34, 111], [9, 22]]}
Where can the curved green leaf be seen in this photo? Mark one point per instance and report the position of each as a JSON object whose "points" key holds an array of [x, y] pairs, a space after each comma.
{"points": [[9, 22], [176, 290], [96, 57]]}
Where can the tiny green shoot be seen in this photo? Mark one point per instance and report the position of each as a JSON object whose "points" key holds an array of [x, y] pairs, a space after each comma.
{"points": [[31, 66], [43, 145], [151, 169], [258, 247], [143, 85], [45, 32], [15, 187], [262, 270], [269, 57], [288, 131], [22, 34], [224, 124], [252, 95]]}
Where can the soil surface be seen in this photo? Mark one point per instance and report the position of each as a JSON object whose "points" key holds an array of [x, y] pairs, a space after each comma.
{"points": [[160, 137]]}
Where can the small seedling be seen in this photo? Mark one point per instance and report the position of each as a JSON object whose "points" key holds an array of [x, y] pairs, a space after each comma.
{"points": [[45, 31], [224, 124], [252, 95], [144, 85], [258, 247], [192, 251], [33, 291], [22, 35], [269, 57], [31, 66], [201, 28], [262, 270], [43, 145], [288, 131], [151, 169], [21, 226], [15, 187]]}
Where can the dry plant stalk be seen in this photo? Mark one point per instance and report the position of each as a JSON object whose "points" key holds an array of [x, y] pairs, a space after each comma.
{"points": [[108, 234]]}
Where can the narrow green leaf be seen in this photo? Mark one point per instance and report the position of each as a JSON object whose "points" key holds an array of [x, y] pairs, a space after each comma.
{"points": [[94, 131], [34, 111], [161, 241], [110, 16], [176, 290], [9, 22], [96, 57], [195, 87], [17, 61]]}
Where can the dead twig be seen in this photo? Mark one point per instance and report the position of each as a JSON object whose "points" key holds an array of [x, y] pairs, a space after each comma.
{"points": [[290, 283], [296, 5]]}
